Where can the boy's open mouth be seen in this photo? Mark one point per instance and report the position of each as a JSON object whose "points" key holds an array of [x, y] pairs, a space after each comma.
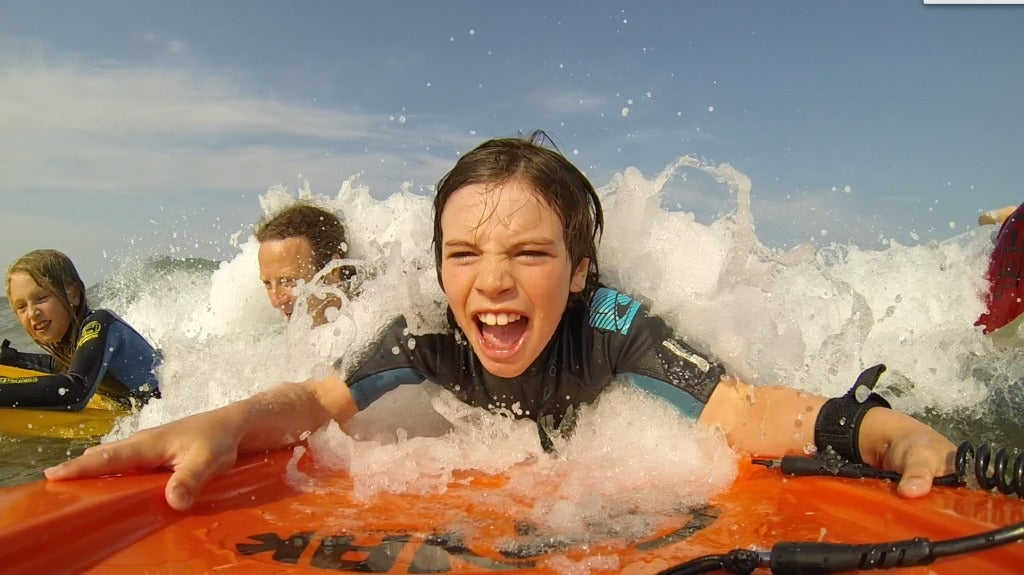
{"points": [[501, 333]]}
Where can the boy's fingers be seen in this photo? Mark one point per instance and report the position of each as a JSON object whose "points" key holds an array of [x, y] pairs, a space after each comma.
{"points": [[107, 460], [189, 477], [918, 472]]}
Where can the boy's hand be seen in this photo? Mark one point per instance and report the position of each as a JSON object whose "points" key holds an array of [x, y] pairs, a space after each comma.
{"points": [[894, 441], [195, 449]]}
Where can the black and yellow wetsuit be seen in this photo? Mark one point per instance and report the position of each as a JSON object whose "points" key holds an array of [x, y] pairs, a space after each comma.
{"points": [[111, 359], [612, 338]]}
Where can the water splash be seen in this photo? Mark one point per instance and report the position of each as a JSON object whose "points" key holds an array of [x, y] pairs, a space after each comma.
{"points": [[810, 316]]}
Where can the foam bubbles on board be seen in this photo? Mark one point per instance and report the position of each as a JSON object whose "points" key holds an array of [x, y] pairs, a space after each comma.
{"points": [[597, 481]]}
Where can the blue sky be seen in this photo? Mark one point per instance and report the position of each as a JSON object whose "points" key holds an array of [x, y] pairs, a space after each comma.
{"points": [[136, 128]]}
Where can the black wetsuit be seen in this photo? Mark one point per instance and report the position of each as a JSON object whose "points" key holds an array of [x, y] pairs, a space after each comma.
{"points": [[614, 338], [111, 359]]}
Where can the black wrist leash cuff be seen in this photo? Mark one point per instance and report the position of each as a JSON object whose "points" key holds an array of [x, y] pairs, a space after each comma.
{"points": [[838, 425]]}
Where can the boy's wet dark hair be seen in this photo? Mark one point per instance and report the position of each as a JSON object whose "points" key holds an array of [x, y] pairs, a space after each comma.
{"points": [[322, 229], [562, 186]]}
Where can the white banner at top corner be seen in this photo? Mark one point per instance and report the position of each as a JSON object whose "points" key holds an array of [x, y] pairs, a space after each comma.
{"points": [[973, 2]]}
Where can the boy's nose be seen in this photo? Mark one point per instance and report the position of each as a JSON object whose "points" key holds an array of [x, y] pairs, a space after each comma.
{"points": [[495, 277], [280, 296]]}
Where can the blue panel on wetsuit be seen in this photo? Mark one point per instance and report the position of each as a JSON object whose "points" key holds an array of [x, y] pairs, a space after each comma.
{"points": [[612, 310], [684, 402], [370, 389]]}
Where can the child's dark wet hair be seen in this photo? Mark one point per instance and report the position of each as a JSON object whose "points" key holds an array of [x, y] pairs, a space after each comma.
{"points": [[554, 178]]}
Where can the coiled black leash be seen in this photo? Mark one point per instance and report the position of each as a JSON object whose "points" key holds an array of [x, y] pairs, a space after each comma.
{"points": [[800, 465], [836, 434], [983, 461], [813, 558], [992, 469]]}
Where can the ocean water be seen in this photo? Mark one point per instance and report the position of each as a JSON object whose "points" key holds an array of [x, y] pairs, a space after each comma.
{"points": [[810, 316]]}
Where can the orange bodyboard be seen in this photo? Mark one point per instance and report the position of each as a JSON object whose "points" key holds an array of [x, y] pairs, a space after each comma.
{"points": [[250, 521]]}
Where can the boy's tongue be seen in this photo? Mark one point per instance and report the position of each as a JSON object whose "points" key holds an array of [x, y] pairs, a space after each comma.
{"points": [[503, 336]]}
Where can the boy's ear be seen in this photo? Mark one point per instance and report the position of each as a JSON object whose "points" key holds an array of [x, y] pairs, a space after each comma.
{"points": [[579, 276], [335, 276]]}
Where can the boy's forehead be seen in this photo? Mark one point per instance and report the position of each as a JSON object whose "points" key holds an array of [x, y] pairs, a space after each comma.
{"points": [[502, 218], [293, 254], [513, 204]]}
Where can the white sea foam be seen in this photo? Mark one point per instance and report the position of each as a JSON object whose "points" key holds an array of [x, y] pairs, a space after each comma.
{"points": [[632, 461]]}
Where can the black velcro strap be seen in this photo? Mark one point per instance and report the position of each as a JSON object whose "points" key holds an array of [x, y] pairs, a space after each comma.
{"points": [[838, 425], [7, 353]]}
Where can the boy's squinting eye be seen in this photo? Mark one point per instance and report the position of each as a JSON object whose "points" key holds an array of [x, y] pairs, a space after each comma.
{"points": [[280, 282], [459, 255], [532, 254]]}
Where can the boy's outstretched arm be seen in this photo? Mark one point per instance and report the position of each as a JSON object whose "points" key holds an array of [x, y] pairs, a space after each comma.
{"points": [[207, 444], [778, 420]]}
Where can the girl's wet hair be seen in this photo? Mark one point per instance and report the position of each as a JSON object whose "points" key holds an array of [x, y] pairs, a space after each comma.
{"points": [[56, 273], [554, 178]]}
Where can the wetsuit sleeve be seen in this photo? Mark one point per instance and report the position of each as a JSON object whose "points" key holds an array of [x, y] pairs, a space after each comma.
{"points": [[651, 356], [35, 361], [130, 361], [101, 338], [395, 358]]}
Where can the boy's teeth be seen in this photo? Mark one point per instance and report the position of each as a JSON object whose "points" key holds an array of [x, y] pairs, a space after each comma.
{"points": [[498, 318]]}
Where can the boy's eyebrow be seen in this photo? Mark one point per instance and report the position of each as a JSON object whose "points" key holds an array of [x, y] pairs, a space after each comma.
{"points": [[537, 241], [458, 243]]}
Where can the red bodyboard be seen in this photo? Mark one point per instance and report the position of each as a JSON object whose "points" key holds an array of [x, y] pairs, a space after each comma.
{"points": [[1004, 300]]}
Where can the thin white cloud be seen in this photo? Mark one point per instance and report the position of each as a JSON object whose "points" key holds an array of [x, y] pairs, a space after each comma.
{"points": [[133, 129], [152, 102], [175, 46], [145, 139]]}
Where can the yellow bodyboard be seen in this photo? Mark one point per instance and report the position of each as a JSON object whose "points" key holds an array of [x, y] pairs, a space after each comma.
{"points": [[96, 420]]}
